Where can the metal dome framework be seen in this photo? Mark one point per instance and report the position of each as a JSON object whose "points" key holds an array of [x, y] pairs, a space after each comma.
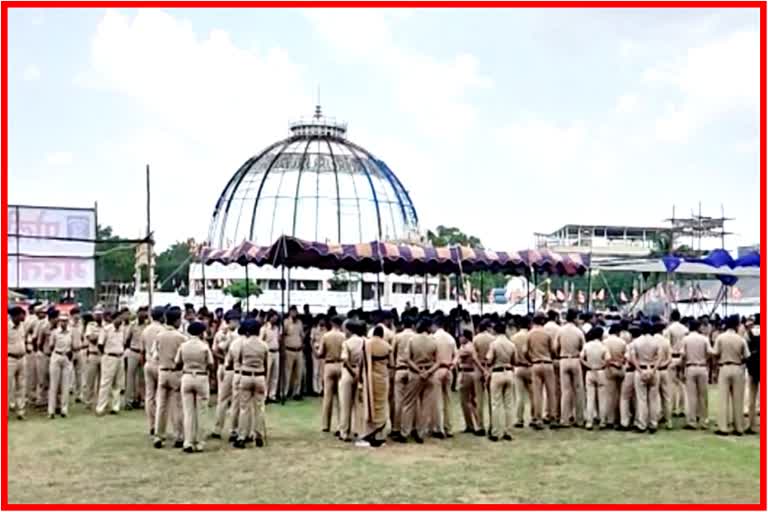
{"points": [[317, 185]]}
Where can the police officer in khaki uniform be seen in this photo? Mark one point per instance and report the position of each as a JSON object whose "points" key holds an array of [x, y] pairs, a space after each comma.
{"points": [[595, 356], [627, 398], [330, 351], [17, 352], [31, 324], [420, 401], [226, 372], [665, 377], [482, 342], [93, 358], [645, 354], [552, 327], [79, 348], [194, 359], [730, 352], [60, 370], [468, 363], [151, 373], [169, 380], [352, 361], [133, 356], [446, 352], [270, 334], [501, 360], [675, 332], [523, 379], [112, 373], [570, 341], [293, 334], [232, 363], [541, 351], [44, 349], [695, 353], [401, 371], [254, 362], [614, 374]]}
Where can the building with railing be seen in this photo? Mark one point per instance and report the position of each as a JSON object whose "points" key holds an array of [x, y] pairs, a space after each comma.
{"points": [[602, 239]]}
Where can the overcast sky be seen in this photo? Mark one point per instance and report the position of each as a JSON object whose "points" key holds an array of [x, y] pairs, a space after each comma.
{"points": [[501, 122]]}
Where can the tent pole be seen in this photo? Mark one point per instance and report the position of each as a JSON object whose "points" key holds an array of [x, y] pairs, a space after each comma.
{"points": [[535, 289], [528, 292], [281, 346], [482, 292], [589, 288], [202, 263], [247, 290]]}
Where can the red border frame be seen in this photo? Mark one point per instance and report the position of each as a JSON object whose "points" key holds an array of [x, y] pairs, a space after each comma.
{"points": [[760, 5]]}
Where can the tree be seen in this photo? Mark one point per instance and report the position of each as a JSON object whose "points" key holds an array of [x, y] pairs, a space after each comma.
{"points": [[172, 267], [115, 260], [237, 289]]}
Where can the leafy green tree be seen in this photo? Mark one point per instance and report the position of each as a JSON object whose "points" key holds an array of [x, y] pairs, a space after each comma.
{"points": [[237, 289], [172, 267], [115, 260]]}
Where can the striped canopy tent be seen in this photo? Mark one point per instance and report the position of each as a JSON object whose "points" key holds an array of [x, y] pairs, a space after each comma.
{"points": [[392, 258]]}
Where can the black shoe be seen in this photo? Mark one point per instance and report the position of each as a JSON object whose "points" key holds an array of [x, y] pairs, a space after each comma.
{"points": [[689, 427], [57, 411], [178, 444], [158, 444], [77, 401], [493, 438], [249, 439], [326, 430], [399, 438], [337, 434], [651, 430], [114, 413], [662, 421], [239, 443], [348, 440], [152, 432], [590, 428], [259, 442], [188, 449], [507, 437], [750, 432], [63, 415], [232, 438], [536, 426], [298, 398], [418, 439], [51, 416], [546, 421], [467, 431], [554, 426], [215, 435], [637, 430], [737, 433], [448, 435], [519, 425], [480, 432], [438, 435], [720, 433]]}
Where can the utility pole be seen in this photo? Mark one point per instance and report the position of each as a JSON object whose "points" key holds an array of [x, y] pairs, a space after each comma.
{"points": [[150, 246]]}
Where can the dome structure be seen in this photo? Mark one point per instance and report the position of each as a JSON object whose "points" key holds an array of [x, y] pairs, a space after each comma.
{"points": [[316, 185]]}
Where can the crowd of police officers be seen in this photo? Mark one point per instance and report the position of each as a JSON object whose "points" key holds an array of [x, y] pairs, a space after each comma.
{"points": [[383, 374]]}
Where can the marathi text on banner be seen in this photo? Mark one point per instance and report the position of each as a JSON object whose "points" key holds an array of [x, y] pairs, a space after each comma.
{"points": [[50, 273]]}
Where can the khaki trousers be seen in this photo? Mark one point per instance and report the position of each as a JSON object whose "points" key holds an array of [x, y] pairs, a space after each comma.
{"points": [[251, 398], [468, 400], [543, 379], [753, 387], [132, 376], [292, 376], [347, 399], [596, 397], [318, 373], [195, 392], [17, 384], [78, 374], [399, 385], [169, 405], [697, 403], [43, 377], [572, 384], [730, 388], [234, 406], [419, 404], [481, 397], [331, 384], [613, 381], [110, 384], [274, 373], [523, 391], [665, 395], [223, 399], [627, 407], [30, 365], [502, 402], [679, 391], [92, 377], [150, 392], [444, 379], [648, 403], [60, 372]]}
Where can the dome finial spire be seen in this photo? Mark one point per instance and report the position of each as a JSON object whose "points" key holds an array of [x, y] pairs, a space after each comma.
{"points": [[318, 109]]}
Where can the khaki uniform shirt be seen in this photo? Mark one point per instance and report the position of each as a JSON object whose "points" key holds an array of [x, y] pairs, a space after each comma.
{"points": [[111, 340], [730, 347], [44, 330], [61, 341], [617, 348], [232, 359], [422, 350], [148, 340], [30, 330], [665, 350], [168, 343], [626, 336], [645, 351], [520, 340], [446, 347], [293, 333], [595, 354], [271, 336], [570, 341], [400, 347], [254, 355], [501, 354], [330, 346], [134, 335], [194, 355], [552, 328], [482, 343], [696, 349], [16, 345], [352, 351], [465, 356], [389, 335], [541, 346], [77, 334], [93, 335], [675, 332]]}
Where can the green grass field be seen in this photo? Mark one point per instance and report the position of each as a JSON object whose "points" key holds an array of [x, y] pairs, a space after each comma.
{"points": [[111, 460]]}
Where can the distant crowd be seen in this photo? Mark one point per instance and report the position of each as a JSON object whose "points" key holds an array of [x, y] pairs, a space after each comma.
{"points": [[386, 374]]}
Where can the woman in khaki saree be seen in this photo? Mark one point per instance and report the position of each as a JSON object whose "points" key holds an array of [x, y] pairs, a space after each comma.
{"points": [[375, 381]]}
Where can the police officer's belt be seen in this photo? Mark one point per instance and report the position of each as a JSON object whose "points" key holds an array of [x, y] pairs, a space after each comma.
{"points": [[332, 361], [252, 374], [424, 367], [522, 365], [501, 369], [291, 349], [274, 350], [664, 367], [138, 351], [192, 372], [398, 368], [167, 369], [16, 356], [729, 364], [79, 349], [60, 352], [542, 362], [92, 353], [696, 364], [467, 369], [114, 355], [645, 367], [677, 355], [569, 357], [443, 365], [381, 358]]}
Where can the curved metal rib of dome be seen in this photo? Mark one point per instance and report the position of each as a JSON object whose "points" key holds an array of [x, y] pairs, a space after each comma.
{"points": [[316, 185]]}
